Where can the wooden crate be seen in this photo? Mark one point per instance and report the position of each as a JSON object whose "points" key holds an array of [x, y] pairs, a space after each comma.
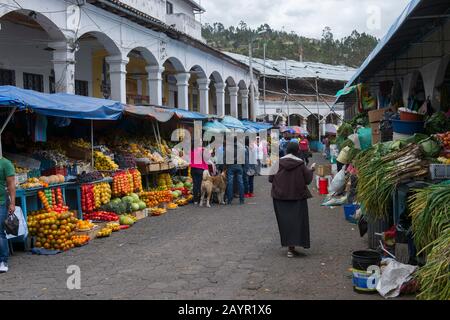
{"points": [[324, 170], [377, 115], [140, 214], [164, 166], [78, 153]]}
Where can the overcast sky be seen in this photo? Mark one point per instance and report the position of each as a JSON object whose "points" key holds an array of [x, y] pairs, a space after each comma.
{"points": [[308, 17]]}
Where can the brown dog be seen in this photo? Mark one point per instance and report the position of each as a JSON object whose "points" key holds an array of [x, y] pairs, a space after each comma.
{"points": [[210, 185]]}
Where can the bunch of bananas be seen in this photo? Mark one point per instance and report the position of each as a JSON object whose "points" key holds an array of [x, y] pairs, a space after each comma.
{"points": [[103, 162]]}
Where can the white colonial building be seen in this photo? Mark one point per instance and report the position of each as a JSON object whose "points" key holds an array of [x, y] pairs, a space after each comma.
{"points": [[133, 51]]}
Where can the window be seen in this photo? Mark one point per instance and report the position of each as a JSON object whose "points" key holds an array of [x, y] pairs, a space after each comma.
{"points": [[82, 88], [169, 7], [7, 77], [33, 82]]}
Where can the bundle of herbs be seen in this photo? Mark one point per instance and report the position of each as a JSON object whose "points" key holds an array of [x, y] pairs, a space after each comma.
{"points": [[434, 277], [380, 171], [430, 214]]}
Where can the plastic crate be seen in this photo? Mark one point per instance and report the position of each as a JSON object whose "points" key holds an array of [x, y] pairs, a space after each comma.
{"points": [[440, 171], [55, 171], [35, 173]]}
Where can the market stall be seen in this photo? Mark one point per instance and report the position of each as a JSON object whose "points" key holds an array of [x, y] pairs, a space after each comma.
{"points": [[76, 181], [395, 185]]}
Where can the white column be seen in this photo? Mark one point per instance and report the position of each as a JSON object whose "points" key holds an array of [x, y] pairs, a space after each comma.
{"points": [[64, 66], [203, 90], [234, 101], [244, 103], [155, 89], [183, 90], [220, 96], [256, 110], [118, 77]]}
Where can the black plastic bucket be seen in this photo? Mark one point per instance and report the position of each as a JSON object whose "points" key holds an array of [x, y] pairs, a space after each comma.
{"points": [[365, 281]]}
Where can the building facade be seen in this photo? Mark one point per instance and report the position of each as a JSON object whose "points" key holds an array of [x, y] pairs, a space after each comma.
{"points": [[132, 51]]}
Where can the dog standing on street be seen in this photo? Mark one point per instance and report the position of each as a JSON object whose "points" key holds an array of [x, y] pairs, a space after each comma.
{"points": [[210, 185]]}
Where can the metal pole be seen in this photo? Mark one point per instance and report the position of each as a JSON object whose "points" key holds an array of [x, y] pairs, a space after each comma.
{"points": [[318, 110], [264, 82], [252, 90], [92, 143], [3, 128], [287, 91]]}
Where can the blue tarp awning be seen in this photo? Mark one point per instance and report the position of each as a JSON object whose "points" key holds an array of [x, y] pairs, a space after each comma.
{"points": [[233, 123], [60, 104], [163, 114], [258, 126], [189, 115], [215, 127]]}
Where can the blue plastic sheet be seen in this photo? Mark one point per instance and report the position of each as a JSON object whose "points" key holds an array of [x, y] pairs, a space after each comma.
{"points": [[233, 123], [257, 125], [61, 104]]}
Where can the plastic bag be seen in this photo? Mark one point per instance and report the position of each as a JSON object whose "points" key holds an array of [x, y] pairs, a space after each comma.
{"points": [[22, 225], [393, 276], [12, 225], [338, 183], [365, 138]]}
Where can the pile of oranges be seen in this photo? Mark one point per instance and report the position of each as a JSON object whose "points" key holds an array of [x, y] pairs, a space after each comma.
{"points": [[52, 230], [80, 240], [154, 198]]}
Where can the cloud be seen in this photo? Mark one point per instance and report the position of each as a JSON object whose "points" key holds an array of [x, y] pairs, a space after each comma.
{"points": [[308, 17]]}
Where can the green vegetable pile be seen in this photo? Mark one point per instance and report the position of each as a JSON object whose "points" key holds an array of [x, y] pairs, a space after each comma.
{"points": [[380, 170], [437, 123], [430, 213]]}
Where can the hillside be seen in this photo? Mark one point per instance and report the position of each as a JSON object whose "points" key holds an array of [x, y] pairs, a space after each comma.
{"points": [[350, 51]]}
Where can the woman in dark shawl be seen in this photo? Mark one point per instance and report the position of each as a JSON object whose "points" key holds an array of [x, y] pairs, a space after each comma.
{"points": [[290, 193]]}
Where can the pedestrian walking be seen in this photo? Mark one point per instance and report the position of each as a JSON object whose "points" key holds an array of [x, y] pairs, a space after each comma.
{"points": [[261, 154], [249, 169], [198, 166], [7, 207], [290, 194], [304, 149], [235, 171]]}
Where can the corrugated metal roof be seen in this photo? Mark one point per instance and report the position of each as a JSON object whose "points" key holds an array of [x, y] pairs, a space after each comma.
{"points": [[296, 69]]}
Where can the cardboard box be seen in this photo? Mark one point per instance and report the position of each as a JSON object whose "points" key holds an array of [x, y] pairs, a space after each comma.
{"points": [[376, 138], [324, 170], [140, 214], [375, 128], [377, 115]]}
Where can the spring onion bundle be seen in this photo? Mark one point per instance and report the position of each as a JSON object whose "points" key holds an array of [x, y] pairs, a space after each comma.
{"points": [[379, 172], [434, 277], [430, 213]]}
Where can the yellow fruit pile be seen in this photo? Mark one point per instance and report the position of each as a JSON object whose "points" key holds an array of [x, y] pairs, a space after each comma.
{"points": [[84, 225], [158, 211], [444, 160], [102, 194], [114, 226], [164, 181], [52, 230], [105, 232], [172, 206], [80, 143], [103, 162]]}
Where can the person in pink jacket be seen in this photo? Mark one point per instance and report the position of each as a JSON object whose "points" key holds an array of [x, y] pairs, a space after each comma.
{"points": [[198, 166]]}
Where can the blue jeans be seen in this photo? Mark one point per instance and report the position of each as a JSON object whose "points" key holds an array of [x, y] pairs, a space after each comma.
{"points": [[248, 183], [4, 248], [235, 170]]}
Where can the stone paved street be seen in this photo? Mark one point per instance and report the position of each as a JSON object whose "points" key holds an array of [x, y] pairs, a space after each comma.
{"points": [[191, 253]]}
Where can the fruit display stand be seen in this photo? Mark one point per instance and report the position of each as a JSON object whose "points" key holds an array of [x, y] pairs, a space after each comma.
{"points": [[28, 198], [76, 188]]}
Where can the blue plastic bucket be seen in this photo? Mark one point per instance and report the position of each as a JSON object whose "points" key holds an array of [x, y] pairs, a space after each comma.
{"points": [[408, 127], [350, 211]]}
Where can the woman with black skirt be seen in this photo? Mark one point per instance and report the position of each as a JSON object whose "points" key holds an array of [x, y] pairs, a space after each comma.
{"points": [[290, 194]]}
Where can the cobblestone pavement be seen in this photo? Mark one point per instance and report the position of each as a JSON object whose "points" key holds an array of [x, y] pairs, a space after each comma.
{"points": [[226, 252]]}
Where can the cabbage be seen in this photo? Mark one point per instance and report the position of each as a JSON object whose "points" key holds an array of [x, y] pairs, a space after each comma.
{"points": [[430, 148]]}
